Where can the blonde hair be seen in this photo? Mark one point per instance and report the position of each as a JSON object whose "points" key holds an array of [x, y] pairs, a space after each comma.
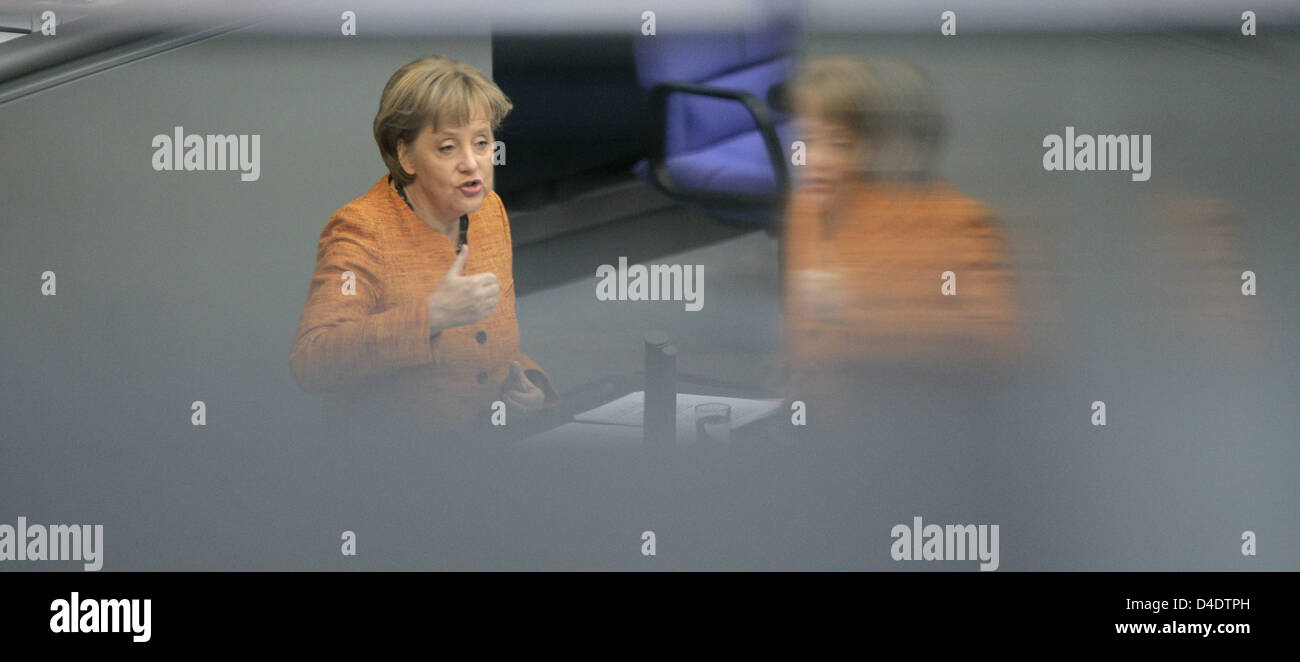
{"points": [[432, 90], [839, 90], [891, 106]]}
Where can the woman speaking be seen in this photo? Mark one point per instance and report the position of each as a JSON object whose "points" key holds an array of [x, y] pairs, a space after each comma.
{"points": [[410, 316]]}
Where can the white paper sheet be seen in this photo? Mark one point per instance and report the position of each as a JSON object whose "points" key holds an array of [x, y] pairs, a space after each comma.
{"points": [[629, 410]]}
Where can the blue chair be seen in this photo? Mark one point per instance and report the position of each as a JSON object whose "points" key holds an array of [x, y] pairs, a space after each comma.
{"points": [[717, 144]]}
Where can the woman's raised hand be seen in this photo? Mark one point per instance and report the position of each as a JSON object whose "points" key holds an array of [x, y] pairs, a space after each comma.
{"points": [[823, 294], [462, 299]]}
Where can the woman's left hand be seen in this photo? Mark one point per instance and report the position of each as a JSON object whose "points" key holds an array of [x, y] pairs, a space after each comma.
{"points": [[520, 393]]}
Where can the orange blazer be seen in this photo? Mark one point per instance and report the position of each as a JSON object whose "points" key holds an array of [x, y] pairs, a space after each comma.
{"points": [[890, 245], [370, 352]]}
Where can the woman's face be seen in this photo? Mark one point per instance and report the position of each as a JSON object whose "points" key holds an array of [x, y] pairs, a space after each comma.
{"points": [[831, 156], [452, 168]]}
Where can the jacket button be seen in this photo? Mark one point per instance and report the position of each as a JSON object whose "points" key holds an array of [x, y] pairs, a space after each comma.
{"points": [[482, 376], [481, 336]]}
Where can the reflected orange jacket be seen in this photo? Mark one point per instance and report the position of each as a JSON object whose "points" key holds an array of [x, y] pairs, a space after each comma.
{"points": [[890, 245], [370, 352]]}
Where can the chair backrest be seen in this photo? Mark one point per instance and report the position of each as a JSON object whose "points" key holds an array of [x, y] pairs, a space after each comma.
{"points": [[751, 58]]}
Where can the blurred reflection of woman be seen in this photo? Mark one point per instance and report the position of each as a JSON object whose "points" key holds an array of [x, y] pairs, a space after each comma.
{"points": [[889, 269]]}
